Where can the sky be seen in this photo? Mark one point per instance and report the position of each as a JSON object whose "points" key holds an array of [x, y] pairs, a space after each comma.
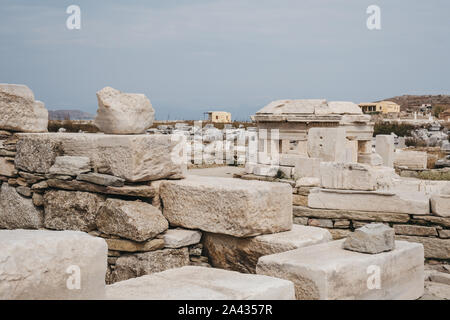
{"points": [[193, 56]]}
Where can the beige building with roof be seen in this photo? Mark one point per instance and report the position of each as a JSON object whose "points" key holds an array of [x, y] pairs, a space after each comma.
{"points": [[219, 116], [383, 107]]}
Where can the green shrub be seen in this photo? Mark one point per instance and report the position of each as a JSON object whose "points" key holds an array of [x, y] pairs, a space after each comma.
{"points": [[400, 129]]}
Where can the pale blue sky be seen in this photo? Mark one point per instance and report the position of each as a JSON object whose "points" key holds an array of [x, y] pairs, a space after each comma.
{"points": [[192, 56]]}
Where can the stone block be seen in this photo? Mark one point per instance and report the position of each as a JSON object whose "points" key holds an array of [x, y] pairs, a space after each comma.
{"points": [[385, 148], [235, 207], [327, 144], [67, 210], [132, 246], [435, 248], [199, 283], [71, 166], [123, 113], [17, 212], [415, 160], [36, 153], [413, 230], [41, 265], [7, 168], [20, 112], [328, 272], [355, 176], [410, 203], [372, 238], [135, 158], [134, 220], [101, 179], [140, 264], [440, 205], [177, 238], [242, 254]]}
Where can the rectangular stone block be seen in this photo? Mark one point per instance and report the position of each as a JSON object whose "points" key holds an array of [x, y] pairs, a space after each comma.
{"points": [[307, 168], [410, 159], [242, 254], [199, 283], [328, 272], [435, 248], [241, 208], [41, 265], [410, 203], [440, 205], [327, 144], [135, 158], [355, 176], [385, 148]]}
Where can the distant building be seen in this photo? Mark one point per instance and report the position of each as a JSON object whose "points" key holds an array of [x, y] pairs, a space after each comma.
{"points": [[383, 107], [445, 115], [219, 116]]}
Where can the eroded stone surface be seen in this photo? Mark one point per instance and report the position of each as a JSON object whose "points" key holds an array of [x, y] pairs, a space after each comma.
{"points": [[324, 272], [20, 112], [177, 238], [71, 166], [199, 283], [440, 205], [134, 220], [242, 254], [66, 210], [371, 238], [228, 206], [36, 153], [123, 113], [17, 212], [38, 265]]}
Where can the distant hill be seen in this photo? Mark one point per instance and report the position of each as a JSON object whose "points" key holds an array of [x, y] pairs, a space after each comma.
{"points": [[69, 115], [412, 102]]}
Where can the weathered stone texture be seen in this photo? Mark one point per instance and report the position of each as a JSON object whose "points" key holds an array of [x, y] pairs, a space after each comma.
{"points": [[70, 165], [242, 254], [66, 210], [372, 238], [325, 272], [19, 111], [36, 265], [36, 153], [123, 113], [132, 246], [440, 205], [137, 265], [177, 238], [17, 212], [134, 220], [199, 283], [228, 206], [435, 248]]}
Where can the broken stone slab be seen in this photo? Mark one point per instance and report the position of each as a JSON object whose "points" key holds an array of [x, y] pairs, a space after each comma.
{"points": [[140, 264], [236, 207], [66, 210], [70, 165], [344, 107], [437, 291], [132, 246], [242, 254], [373, 159], [142, 191], [36, 153], [307, 182], [413, 230], [372, 238], [411, 203], [355, 176], [177, 238], [135, 158], [134, 220], [101, 179], [440, 205], [17, 212], [324, 272], [20, 112], [41, 265], [200, 283], [7, 168], [123, 113]]}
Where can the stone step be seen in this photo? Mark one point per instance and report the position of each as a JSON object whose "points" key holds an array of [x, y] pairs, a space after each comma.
{"points": [[51, 265], [242, 254], [230, 206], [200, 283], [411, 203], [328, 272]]}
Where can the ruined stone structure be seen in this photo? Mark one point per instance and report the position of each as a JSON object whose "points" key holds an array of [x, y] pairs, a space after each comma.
{"points": [[120, 210]]}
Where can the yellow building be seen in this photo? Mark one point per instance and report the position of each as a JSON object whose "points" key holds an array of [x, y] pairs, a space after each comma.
{"points": [[219, 116], [380, 107]]}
